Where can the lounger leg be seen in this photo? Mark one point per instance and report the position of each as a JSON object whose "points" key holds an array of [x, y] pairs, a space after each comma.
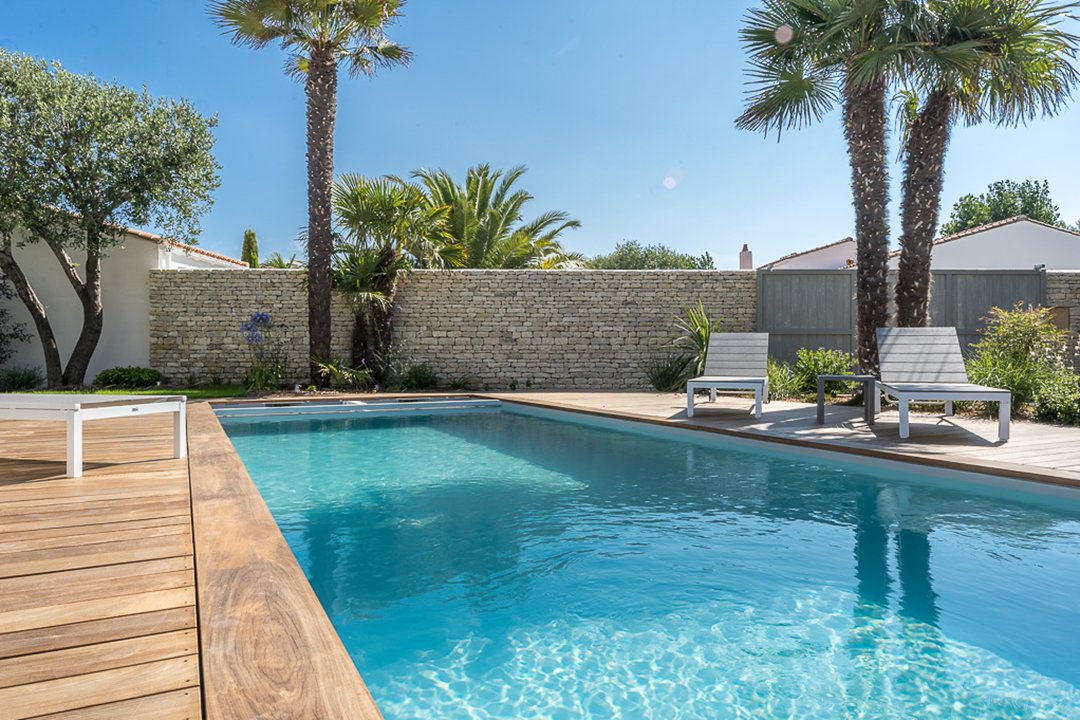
{"points": [[757, 401], [904, 430], [180, 432], [820, 401], [948, 408], [74, 445], [712, 394], [1004, 412], [766, 392], [689, 402]]}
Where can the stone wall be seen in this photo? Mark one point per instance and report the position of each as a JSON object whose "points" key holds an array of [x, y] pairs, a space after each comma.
{"points": [[195, 318], [547, 330], [559, 329], [1063, 290]]}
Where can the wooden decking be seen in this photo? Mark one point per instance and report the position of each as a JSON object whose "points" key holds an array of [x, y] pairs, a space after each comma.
{"points": [[1036, 451], [119, 589], [97, 584]]}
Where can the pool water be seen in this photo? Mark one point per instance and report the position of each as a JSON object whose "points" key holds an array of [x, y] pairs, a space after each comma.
{"points": [[507, 565]]}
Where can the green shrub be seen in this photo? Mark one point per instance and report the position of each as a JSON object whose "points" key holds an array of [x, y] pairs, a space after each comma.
{"points": [[462, 383], [811, 363], [783, 382], [695, 328], [341, 376], [1058, 398], [128, 377], [20, 379], [669, 373], [1022, 350], [403, 375]]}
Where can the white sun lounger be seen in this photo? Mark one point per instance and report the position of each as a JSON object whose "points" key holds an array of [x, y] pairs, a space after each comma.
{"points": [[925, 364], [77, 409], [735, 361]]}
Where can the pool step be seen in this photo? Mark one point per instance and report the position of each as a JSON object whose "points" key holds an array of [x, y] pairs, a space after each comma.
{"points": [[301, 410]]}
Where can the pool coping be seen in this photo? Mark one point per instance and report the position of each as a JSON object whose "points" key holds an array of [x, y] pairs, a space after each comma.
{"points": [[268, 647]]}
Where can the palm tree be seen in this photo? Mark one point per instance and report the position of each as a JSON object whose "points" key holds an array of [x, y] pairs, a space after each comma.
{"points": [[388, 226], [485, 218], [999, 60], [318, 35], [805, 56]]}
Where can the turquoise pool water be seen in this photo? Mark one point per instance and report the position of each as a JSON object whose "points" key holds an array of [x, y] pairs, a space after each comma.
{"points": [[504, 565]]}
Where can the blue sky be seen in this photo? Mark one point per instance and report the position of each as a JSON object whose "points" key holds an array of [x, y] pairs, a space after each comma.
{"points": [[602, 100]]}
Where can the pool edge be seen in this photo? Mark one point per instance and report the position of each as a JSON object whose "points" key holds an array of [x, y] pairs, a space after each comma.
{"points": [[267, 645]]}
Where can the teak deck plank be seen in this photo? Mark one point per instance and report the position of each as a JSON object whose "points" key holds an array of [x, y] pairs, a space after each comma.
{"points": [[95, 658], [94, 528], [79, 540], [97, 575], [71, 693], [174, 705], [95, 554], [72, 586], [57, 637]]}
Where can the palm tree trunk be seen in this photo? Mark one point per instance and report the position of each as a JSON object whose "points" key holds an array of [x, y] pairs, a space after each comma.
{"points": [[865, 123], [924, 175], [321, 91]]}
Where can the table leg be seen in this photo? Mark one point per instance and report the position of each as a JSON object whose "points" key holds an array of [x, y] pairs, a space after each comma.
{"points": [[820, 401], [74, 445], [870, 401], [180, 432]]}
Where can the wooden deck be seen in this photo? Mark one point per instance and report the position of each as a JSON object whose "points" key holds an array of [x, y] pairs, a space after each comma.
{"points": [[119, 589], [1036, 451], [97, 584]]}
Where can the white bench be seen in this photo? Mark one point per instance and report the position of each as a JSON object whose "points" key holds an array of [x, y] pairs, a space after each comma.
{"points": [[925, 364], [77, 409], [734, 361]]}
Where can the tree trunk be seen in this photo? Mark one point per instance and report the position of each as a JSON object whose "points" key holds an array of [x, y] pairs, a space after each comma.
{"points": [[374, 324], [93, 321], [321, 91], [865, 123], [924, 175], [53, 373]]}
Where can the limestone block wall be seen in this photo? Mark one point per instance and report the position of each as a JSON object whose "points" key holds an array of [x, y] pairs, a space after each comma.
{"points": [[1063, 290], [559, 329], [195, 318], [546, 330]]}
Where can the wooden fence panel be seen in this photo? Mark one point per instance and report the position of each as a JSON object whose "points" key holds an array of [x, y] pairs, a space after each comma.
{"points": [[816, 308]]}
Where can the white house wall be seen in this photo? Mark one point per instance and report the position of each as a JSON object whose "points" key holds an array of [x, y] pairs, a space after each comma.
{"points": [[832, 257], [125, 338], [1017, 246]]}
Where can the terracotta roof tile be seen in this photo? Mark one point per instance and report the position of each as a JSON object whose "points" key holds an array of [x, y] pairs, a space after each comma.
{"points": [[143, 235]]}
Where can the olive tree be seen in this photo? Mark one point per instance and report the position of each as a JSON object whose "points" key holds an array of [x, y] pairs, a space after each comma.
{"points": [[81, 160]]}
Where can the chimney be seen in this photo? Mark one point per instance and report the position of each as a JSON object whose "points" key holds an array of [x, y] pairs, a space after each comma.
{"points": [[746, 258]]}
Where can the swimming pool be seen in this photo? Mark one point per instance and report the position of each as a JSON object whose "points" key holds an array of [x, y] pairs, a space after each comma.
{"points": [[510, 563]]}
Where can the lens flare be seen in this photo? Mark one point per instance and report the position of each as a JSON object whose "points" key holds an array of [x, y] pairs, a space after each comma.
{"points": [[784, 34], [669, 183]]}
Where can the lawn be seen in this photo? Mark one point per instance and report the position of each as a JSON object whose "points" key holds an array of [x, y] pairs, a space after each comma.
{"points": [[213, 392]]}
